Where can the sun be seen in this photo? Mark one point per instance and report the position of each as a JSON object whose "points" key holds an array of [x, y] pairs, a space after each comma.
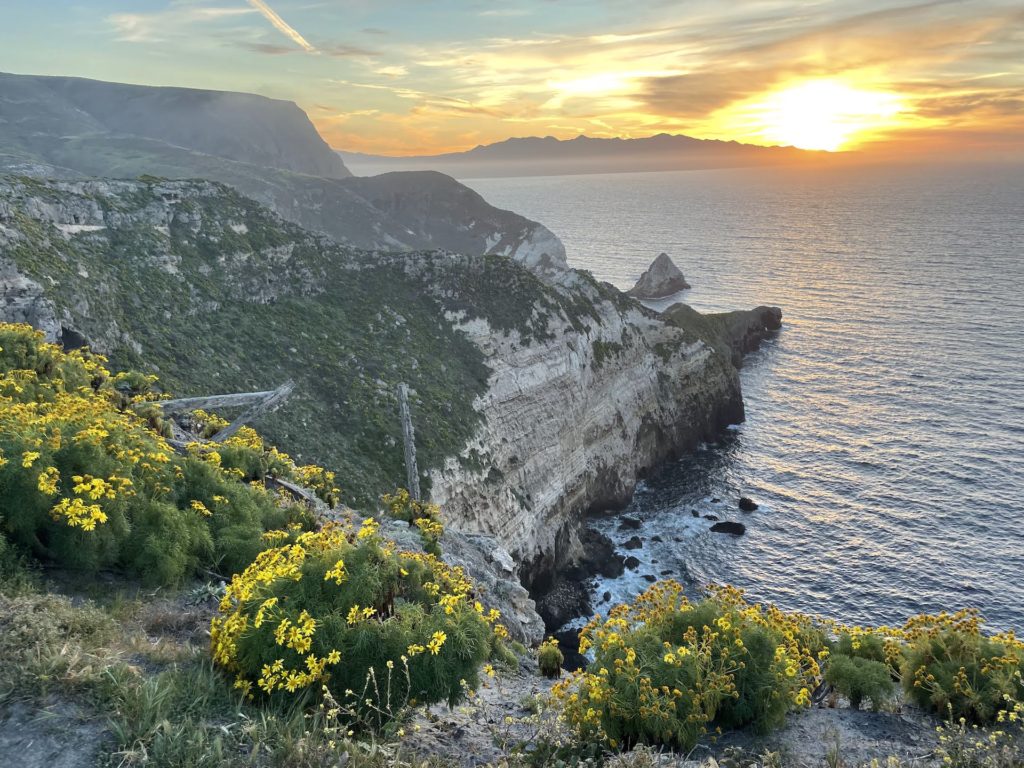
{"points": [[828, 114]]}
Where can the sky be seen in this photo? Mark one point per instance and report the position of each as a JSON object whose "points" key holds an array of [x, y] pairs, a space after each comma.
{"points": [[404, 77]]}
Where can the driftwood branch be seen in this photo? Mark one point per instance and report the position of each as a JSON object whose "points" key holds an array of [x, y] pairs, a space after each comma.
{"points": [[211, 402], [270, 402]]}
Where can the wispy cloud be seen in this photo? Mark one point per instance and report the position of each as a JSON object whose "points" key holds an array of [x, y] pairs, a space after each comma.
{"points": [[282, 26], [158, 26]]}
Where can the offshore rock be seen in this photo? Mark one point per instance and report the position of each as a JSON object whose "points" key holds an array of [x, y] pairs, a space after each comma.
{"points": [[662, 278], [736, 529]]}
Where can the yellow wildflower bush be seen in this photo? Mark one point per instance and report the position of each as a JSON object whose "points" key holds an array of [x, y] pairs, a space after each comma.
{"points": [[342, 608], [425, 516], [88, 481], [665, 669], [954, 668], [246, 456], [947, 663]]}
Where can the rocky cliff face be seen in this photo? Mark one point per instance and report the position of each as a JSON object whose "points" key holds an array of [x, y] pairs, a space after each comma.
{"points": [[572, 420], [538, 393]]}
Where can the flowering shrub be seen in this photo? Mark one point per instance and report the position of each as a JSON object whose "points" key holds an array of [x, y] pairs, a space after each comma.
{"points": [[88, 481], [859, 678], [246, 456], [954, 669], [342, 608], [550, 658], [426, 517], [666, 669]]}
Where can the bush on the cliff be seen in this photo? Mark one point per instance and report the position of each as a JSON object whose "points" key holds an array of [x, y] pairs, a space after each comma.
{"points": [[858, 678], [954, 669], [425, 516], [87, 480], [340, 611], [550, 658], [666, 669]]}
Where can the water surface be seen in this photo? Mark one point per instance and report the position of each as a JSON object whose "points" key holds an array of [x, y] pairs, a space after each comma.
{"points": [[884, 438]]}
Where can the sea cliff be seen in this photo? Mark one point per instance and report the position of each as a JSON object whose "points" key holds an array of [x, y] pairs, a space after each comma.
{"points": [[539, 393]]}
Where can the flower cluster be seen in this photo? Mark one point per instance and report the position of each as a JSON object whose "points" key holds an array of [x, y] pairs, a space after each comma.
{"points": [[426, 517], [338, 606], [666, 669], [88, 480]]}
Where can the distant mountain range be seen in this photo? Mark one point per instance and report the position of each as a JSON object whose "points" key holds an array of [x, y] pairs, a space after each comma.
{"points": [[546, 156]]}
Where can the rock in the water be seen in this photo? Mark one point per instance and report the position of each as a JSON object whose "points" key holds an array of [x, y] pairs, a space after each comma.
{"points": [[606, 597], [564, 602], [628, 524], [736, 529], [634, 543], [657, 539], [661, 279], [632, 563], [712, 518], [650, 577], [695, 513], [598, 558], [747, 505]]}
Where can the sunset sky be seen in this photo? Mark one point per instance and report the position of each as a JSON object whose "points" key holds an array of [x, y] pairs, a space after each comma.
{"points": [[426, 76]]}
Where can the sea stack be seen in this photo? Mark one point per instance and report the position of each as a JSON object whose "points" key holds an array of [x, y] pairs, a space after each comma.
{"points": [[661, 279]]}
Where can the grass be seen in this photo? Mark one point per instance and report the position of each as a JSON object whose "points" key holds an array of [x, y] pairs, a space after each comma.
{"points": [[136, 663]]}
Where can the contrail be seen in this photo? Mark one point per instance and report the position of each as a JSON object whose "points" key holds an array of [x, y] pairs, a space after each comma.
{"points": [[282, 26]]}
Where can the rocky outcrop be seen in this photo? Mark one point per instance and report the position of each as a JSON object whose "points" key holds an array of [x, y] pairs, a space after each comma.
{"points": [[572, 421], [733, 333], [661, 279]]}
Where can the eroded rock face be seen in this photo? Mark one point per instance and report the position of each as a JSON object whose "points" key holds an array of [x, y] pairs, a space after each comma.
{"points": [[571, 422], [662, 278], [492, 571]]}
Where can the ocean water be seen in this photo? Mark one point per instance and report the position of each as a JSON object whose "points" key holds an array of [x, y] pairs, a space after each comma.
{"points": [[884, 439]]}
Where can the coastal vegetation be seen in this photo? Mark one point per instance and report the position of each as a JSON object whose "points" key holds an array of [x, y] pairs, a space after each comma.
{"points": [[329, 638]]}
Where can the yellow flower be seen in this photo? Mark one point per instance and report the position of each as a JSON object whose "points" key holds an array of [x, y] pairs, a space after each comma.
{"points": [[29, 458], [47, 482], [436, 641]]}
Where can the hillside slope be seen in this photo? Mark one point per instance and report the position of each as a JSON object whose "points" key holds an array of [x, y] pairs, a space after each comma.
{"points": [[534, 400], [60, 127]]}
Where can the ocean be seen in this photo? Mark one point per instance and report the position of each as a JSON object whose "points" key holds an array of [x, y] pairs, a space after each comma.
{"points": [[884, 439]]}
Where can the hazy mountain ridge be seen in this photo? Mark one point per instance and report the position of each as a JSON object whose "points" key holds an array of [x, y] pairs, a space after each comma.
{"points": [[235, 126], [57, 127], [536, 156]]}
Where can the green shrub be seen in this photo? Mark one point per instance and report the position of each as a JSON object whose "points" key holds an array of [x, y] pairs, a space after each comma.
{"points": [[954, 669], [342, 609], [665, 669], [550, 658], [87, 480], [858, 678]]}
